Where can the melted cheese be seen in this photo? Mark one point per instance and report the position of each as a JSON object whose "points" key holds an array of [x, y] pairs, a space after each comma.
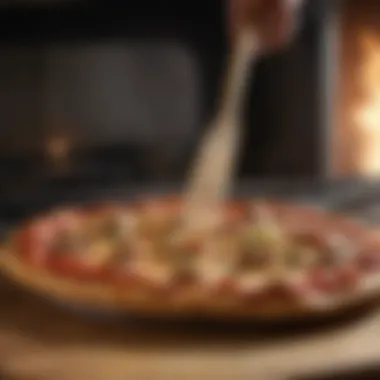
{"points": [[211, 274], [342, 249], [154, 272], [252, 282], [99, 253], [146, 265], [126, 225], [215, 263], [308, 257], [370, 283], [269, 233], [128, 222], [295, 278]]}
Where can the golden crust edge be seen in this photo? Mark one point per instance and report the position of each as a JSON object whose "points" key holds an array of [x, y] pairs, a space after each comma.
{"points": [[110, 297]]}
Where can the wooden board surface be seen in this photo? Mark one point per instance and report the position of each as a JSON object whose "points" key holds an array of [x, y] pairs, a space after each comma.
{"points": [[43, 341]]}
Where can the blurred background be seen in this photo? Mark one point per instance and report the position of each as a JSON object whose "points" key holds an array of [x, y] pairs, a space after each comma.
{"points": [[96, 93], [100, 95]]}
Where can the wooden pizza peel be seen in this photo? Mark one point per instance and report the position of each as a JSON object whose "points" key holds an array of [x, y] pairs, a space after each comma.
{"points": [[39, 340]]}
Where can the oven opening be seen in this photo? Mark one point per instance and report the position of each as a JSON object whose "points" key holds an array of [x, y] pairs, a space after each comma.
{"points": [[358, 137]]}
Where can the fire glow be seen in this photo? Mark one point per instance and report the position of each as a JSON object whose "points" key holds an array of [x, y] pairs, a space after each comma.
{"points": [[367, 115]]}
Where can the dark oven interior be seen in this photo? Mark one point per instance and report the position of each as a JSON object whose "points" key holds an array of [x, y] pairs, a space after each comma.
{"points": [[96, 93]]}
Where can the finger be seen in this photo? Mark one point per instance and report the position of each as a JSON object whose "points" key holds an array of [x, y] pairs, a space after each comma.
{"points": [[242, 12], [281, 22], [276, 21]]}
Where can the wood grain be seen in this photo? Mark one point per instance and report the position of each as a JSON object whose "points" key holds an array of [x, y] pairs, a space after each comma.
{"points": [[39, 340]]}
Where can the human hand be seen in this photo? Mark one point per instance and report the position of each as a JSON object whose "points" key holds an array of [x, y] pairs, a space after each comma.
{"points": [[273, 21]]}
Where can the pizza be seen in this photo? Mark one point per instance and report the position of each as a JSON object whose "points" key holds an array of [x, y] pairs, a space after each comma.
{"points": [[260, 259]]}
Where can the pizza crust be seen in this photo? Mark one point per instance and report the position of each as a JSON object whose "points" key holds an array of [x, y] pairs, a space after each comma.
{"points": [[142, 302]]}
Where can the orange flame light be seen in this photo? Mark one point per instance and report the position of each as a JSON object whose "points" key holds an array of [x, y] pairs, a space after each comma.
{"points": [[367, 115]]}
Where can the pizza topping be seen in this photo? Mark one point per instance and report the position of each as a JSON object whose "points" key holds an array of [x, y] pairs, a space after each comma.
{"points": [[369, 260], [341, 250], [155, 222], [324, 280], [349, 277], [251, 282], [251, 254], [217, 260], [299, 256], [155, 273], [67, 219], [253, 259], [262, 239], [182, 250], [35, 239], [147, 266], [69, 241], [99, 253], [311, 250], [118, 226], [120, 258]]}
